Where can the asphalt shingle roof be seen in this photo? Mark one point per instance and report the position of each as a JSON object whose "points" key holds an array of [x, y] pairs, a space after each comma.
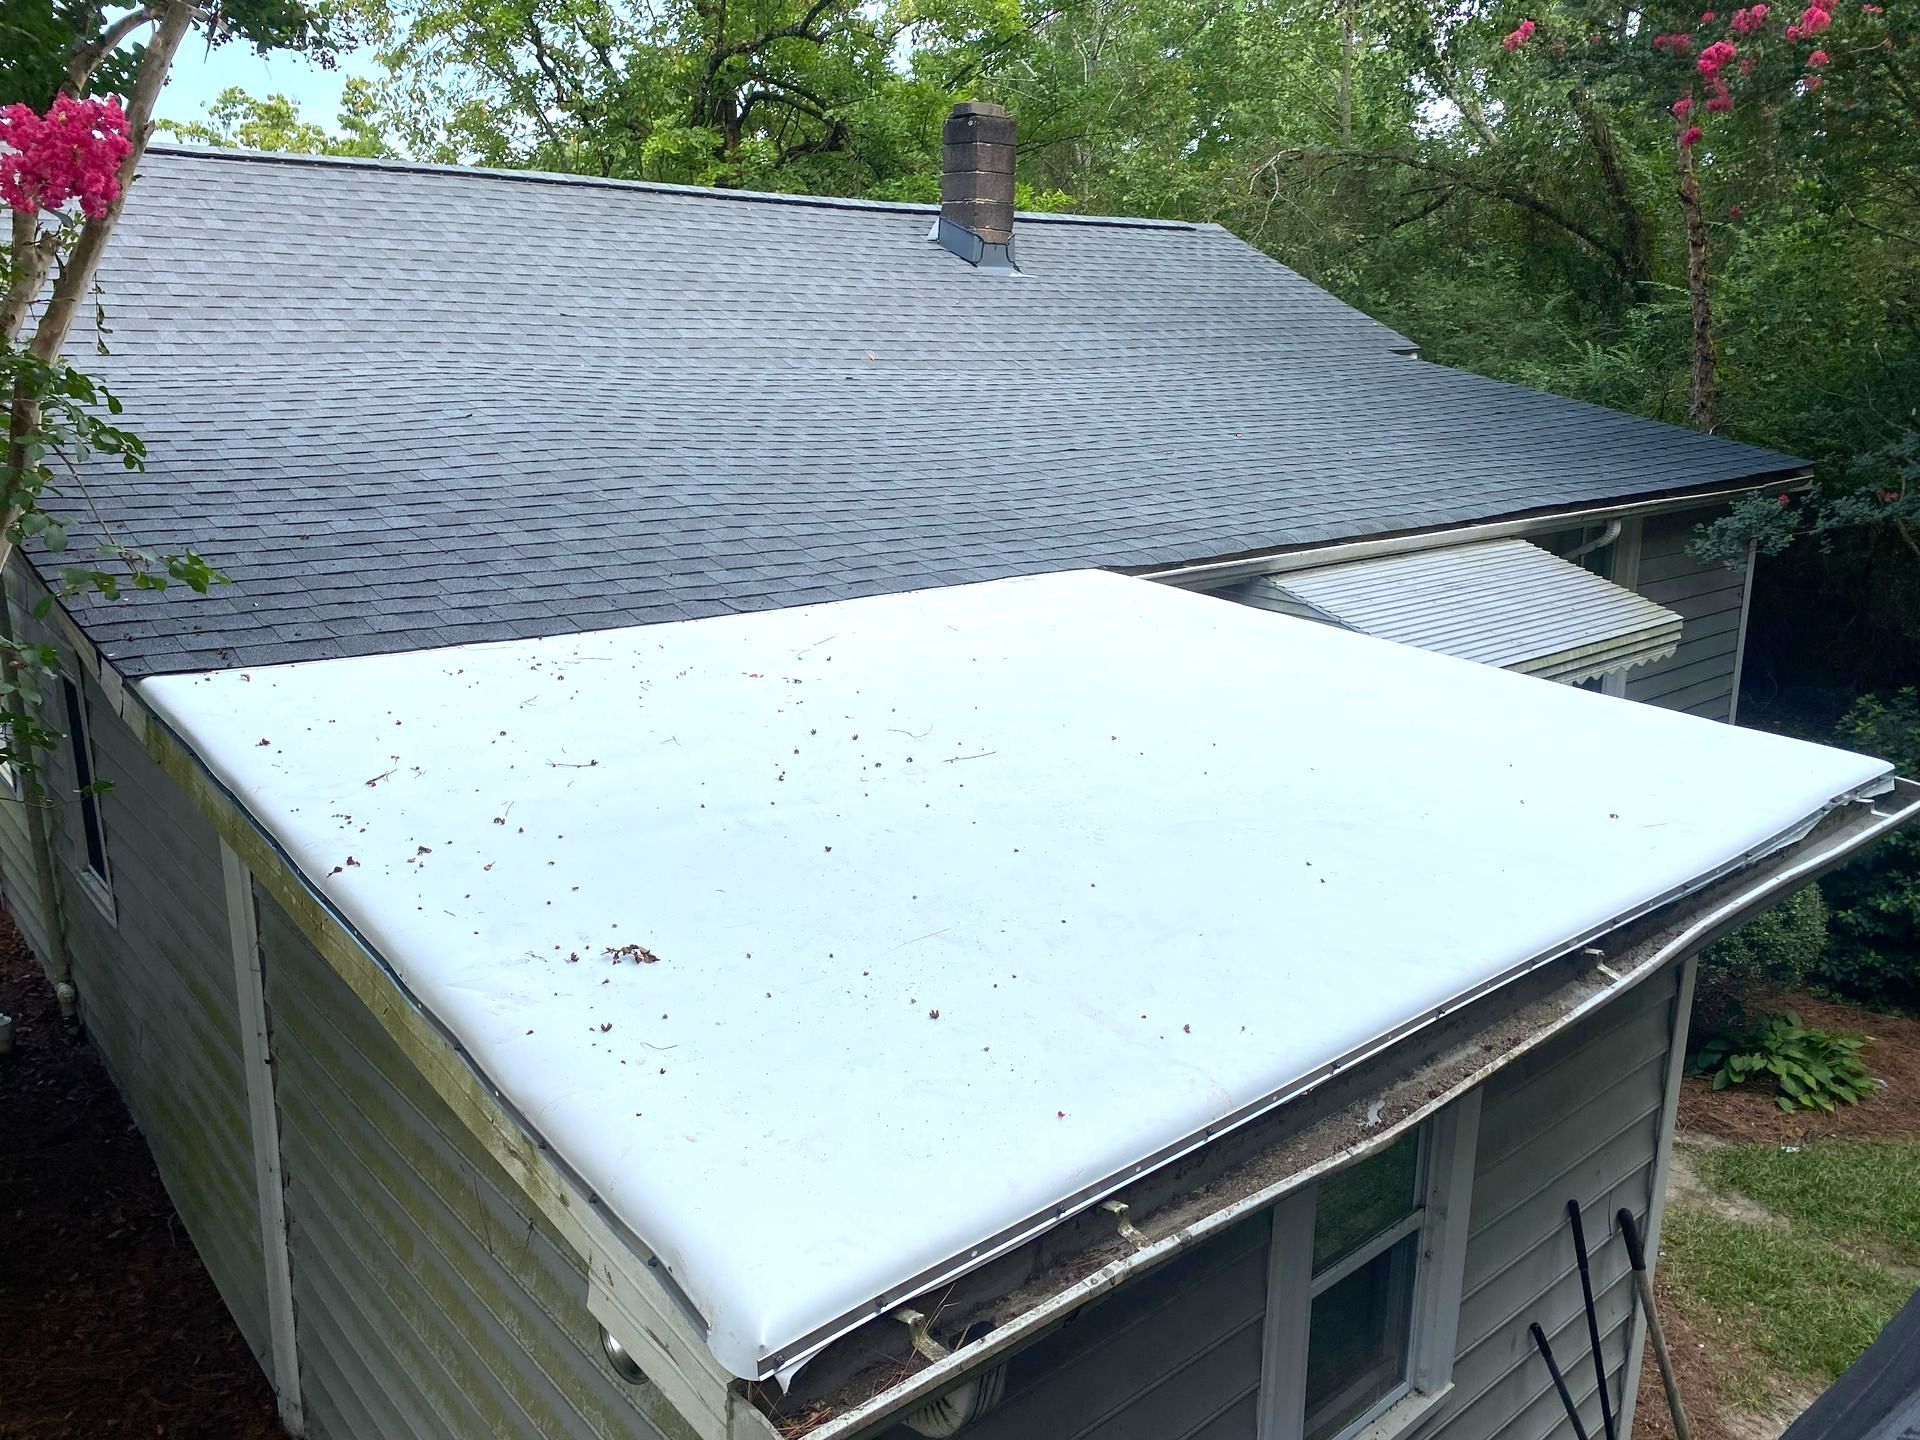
{"points": [[405, 406]]}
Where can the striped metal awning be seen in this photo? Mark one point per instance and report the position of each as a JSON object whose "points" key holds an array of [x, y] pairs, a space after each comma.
{"points": [[1500, 602]]}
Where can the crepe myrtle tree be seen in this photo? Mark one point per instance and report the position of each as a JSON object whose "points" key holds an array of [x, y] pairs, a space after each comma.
{"points": [[1765, 59], [67, 159]]}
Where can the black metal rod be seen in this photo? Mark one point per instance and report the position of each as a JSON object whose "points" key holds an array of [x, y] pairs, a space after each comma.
{"points": [[1566, 1400], [1593, 1318]]}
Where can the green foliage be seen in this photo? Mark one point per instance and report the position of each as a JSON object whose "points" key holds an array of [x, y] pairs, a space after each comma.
{"points": [[38, 36], [235, 118], [1875, 949], [1813, 1308], [74, 416], [1862, 1192], [1810, 1068], [1776, 951]]}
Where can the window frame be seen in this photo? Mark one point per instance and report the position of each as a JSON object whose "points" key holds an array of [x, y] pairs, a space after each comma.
{"points": [[96, 879], [1447, 1144]]}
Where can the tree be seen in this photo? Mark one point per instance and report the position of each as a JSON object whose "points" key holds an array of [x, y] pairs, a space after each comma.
{"points": [[237, 119], [66, 164], [777, 94]]}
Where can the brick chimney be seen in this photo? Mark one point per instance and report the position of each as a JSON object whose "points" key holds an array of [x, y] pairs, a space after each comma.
{"points": [[976, 187]]}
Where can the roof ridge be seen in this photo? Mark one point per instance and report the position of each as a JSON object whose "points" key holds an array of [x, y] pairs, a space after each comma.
{"points": [[597, 182]]}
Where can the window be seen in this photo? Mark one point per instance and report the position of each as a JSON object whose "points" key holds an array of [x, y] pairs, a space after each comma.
{"points": [[93, 829], [1364, 1287]]}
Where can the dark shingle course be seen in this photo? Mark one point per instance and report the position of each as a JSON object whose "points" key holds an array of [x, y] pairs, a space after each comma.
{"points": [[411, 406]]}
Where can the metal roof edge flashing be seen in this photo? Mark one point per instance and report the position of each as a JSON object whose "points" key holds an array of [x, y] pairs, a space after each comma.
{"points": [[982, 255], [788, 1358], [1799, 855]]}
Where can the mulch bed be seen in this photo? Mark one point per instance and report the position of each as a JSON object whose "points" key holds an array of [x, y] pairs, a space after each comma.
{"points": [[1748, 1112], [109, 1325], [1694, 1369]]}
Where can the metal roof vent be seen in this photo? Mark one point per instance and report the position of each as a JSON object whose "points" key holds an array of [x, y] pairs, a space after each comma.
{"points": [[976, 187]]}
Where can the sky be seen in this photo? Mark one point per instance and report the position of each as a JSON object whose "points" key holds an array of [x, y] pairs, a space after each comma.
{"points": [[199, 75]]}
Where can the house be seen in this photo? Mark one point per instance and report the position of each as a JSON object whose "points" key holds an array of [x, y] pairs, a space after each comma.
{"points": [[729, 866]]}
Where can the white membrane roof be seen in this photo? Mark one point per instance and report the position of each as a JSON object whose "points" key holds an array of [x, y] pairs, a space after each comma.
{"points": [[963, 900]]}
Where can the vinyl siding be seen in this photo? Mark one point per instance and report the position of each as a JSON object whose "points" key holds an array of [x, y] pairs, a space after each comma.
{"points": [[430, 1301], [1173, 1356], [1699, 676], [1579, 1118], [1176, 1356], [156, 996], [18, 886]]}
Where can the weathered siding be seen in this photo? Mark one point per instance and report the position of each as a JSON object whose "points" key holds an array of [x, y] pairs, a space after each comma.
{"points": [[18, 888], [156, 996], [1174, 1356], [429, 1299], [17, 882], [1578, 1119], [1699, 677]]}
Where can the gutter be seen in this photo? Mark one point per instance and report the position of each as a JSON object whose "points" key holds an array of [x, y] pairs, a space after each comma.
{"points": [[1686, 935], [1215, 574]]}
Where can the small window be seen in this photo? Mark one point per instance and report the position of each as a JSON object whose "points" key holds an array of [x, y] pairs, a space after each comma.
{"points": [[1366, 1249], [93, 829], [1363, 1289]]}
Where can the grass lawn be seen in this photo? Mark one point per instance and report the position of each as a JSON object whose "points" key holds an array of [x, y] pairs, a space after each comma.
{"points": [[1809, 1308], [1863, 1193], [1809, 1290]]}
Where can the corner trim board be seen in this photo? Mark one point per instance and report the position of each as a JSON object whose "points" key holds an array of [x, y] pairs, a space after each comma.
{"points": [[1657, 1192], [256, 1054], [1740, 642]]}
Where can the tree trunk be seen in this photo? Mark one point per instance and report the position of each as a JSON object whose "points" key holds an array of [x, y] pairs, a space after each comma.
{"points": [[1346, 73], [1700, 380], [1636, 253], [32, 259], [83, 261]]}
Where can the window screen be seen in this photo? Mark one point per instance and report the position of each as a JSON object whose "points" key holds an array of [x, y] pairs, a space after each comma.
{"points": [[1366, 1254]]}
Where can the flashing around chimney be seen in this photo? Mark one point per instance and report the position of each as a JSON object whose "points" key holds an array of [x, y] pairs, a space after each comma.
{"points": [[986, 258], [976, 188]]}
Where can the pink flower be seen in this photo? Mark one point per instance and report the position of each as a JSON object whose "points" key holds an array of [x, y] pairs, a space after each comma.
{"points": [[1706, 17], [1733, 212], [1746, 66], [1786, 499], [1814, 19], [1873, 10], [1714, 56], [73, 152], [1518, 37], [1809, 84], [1720, 104], [1674, 44], [1683, 107], [1818, 59], [1692, 137]]}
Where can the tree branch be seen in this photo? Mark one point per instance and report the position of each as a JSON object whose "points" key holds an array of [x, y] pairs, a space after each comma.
{"points": [[1466, 179], [86, 59]]}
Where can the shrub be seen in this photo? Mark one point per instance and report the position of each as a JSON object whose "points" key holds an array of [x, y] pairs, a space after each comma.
{"points": [[1777, 950], [1809, 1068], [1874, 948]]}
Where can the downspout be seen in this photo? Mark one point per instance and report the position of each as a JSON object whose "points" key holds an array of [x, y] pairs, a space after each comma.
{"points": [[55, 962], [1606, 538]]}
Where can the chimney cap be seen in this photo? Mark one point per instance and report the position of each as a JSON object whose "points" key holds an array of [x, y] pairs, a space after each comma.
{"points": [[977, 107]]}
